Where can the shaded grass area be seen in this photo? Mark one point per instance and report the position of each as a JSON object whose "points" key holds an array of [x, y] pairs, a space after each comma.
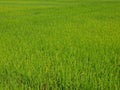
{"points": [[70, 46]]}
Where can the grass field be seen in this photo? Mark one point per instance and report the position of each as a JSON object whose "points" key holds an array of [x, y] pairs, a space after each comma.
{"points": [[60, 45]]}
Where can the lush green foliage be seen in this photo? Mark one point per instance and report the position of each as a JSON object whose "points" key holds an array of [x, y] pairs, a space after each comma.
{"points": [[63, 45]]}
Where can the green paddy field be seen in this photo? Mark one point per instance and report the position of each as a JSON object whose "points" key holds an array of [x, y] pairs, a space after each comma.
{"points": [[60, 45]]}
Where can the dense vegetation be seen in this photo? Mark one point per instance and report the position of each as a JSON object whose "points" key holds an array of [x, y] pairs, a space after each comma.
{"points": [[60, 45]]}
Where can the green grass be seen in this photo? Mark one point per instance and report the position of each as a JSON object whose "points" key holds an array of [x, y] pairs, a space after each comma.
{"points": [[60, 45]]}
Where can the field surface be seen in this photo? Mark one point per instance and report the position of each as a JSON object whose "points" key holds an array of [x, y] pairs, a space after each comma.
{"points": [[60, 45]]}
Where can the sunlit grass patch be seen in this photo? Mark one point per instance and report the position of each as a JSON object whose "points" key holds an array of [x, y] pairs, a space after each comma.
{"points": [[59, 45]]}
